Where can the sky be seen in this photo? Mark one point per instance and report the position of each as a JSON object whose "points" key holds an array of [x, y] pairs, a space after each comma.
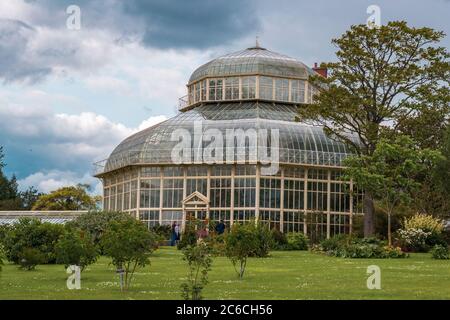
{"points": [[70, 93]]}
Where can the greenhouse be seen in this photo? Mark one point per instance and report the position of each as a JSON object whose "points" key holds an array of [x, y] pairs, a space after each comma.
{"points": [[236, 152]]}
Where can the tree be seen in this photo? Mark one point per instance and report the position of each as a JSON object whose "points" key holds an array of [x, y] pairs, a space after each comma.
{"points": [[66, 198], [95, 223], [29, 198], [391, 174], [76, 248], [32, 234], [241, 242], [129, 244], [382, 77], [199, 261], [434, 195]]}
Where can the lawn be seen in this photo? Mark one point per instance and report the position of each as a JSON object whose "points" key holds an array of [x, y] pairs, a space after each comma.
{"points": [[284, 275]]}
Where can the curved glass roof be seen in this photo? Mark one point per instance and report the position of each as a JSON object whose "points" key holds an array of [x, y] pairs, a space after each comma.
{"points": [[255, 60], [298, 143]]}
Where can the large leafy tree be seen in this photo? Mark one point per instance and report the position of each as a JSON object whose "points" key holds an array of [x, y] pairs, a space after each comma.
{"points": [[392, 174], [66, 198], [383, 77]]}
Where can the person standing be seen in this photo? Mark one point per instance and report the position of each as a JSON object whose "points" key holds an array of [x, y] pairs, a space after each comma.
{"points": [[177, 232], [220, 227], [173, 235]]}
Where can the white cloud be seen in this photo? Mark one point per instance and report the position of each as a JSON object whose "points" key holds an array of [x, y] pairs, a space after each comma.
{"points": [[151, 122], [52, 180]]}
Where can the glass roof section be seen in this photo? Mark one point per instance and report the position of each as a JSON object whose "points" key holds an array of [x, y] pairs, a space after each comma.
{"points": [[299, 143], [255, 60]]}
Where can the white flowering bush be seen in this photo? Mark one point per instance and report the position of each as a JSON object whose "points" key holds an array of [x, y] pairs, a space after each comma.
{"points": [[420, 233], [414, 239]]}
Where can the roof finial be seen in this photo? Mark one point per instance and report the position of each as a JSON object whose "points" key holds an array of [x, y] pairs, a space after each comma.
{"points": [[257, 42]]}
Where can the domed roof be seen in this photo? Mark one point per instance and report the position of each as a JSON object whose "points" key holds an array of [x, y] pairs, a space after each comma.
{"points": [[298, 143], [254, 60]]}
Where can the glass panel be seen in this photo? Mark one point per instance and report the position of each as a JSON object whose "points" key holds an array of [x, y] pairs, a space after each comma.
{"points": [[248, 87], [232, 88], [282, 89], [266, 88]]}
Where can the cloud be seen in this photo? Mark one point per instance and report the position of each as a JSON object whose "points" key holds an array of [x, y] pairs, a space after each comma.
{"points": [[192, 24], [35, 42], [40, 140], [52, 180]]}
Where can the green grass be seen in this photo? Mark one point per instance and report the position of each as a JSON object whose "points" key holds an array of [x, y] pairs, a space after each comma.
{"points": [[284, 275]]}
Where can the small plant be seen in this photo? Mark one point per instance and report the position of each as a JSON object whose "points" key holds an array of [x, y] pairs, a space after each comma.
{"points": [[29, 258], [241, 243], [297, 241], [440, 252], [199, 262]]}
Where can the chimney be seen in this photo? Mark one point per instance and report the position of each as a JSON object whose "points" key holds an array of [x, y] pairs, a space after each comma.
{"points": [[322, 71]]}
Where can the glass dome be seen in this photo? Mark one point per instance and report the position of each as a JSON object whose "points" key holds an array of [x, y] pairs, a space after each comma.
{"points": [[255, 60], [298, 143]]}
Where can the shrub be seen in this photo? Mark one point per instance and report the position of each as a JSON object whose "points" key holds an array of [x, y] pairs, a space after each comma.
{"points": [[414, 239], [75, 248], [29, 258], [279, 239], [129, 244], [424, 222], [297, 241], [95, 223], [162, 231], [393, 253], [241, 243], [345, 246], [440, 252], [32, 233], [264, 240], [420, 233], [199, 262], [334, 243], [187, 238], [4, 228], [217, 244]]}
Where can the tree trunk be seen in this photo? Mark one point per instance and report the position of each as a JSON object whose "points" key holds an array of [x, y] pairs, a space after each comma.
{"points": [[369, 215], [389, 230]]}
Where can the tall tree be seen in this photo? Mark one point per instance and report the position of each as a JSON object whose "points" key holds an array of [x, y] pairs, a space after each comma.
{"points": [[381, 78], [392, 174], [9, 194]]}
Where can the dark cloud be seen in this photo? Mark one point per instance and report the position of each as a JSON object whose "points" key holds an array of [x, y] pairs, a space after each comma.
{"points": [[14, 65], [165, 23], [194, 23]]}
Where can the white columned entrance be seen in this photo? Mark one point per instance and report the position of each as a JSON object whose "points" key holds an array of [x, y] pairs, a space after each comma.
{"points": [[195, 206]]}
